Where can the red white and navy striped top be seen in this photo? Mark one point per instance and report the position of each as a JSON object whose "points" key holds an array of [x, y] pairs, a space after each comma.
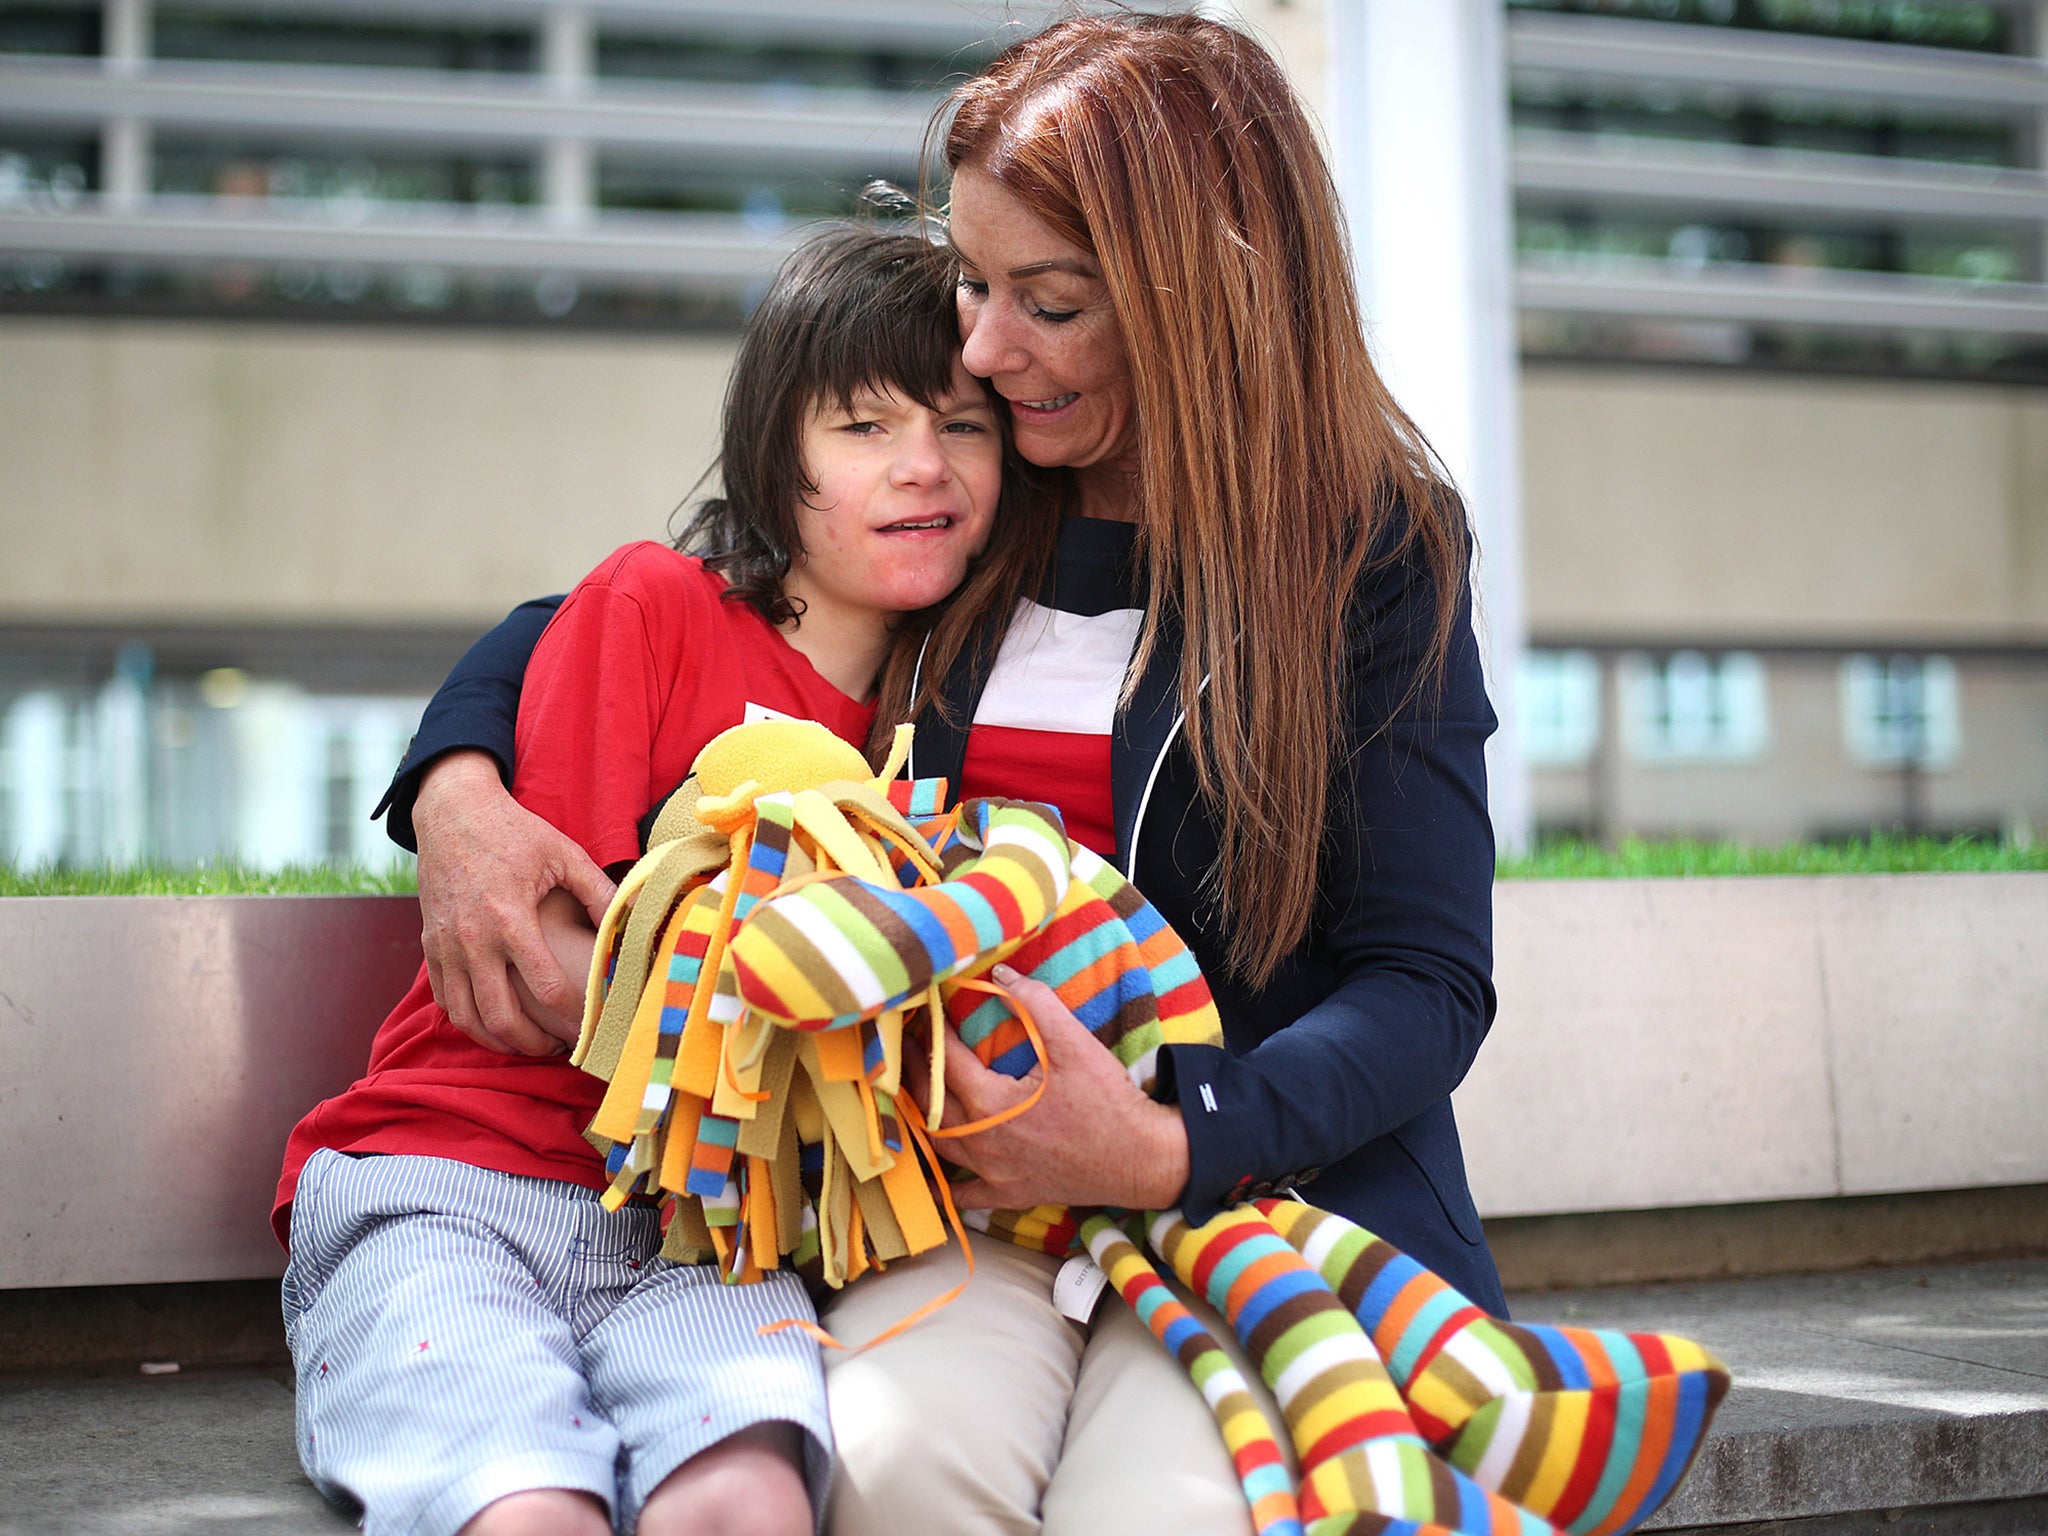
{"points": [[1042, 728]]}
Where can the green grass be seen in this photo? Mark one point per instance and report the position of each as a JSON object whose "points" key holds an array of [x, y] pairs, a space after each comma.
{"points": [[225, 879], [1879, 854], [1632, 858]]}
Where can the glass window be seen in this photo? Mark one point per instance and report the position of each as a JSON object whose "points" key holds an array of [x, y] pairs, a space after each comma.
{"points": [[786, 66], [344, 182], [45, 174], [1984, 25], [665, 185], [1901, 710], [1692, 707], [182, 770], [1558, 698], [54, 29], [261, 39]]}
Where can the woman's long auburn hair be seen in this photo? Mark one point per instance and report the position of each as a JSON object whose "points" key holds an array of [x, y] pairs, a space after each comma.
{"points": [[1273, 462]]}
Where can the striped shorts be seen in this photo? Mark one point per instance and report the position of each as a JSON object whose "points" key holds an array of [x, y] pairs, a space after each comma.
{"points": [[460, 1335]]}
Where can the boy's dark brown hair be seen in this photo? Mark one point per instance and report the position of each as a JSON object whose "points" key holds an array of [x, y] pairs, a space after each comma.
{"points": [[855, 307]]}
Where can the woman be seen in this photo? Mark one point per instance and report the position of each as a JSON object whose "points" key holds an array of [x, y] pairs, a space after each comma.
{"points": [[1252, 682]]}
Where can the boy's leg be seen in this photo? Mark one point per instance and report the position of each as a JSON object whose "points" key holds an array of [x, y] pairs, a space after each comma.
{"points": [[542, 1512], [434, 1375], [710, 1413], [749, 1484], [954, 1424]]}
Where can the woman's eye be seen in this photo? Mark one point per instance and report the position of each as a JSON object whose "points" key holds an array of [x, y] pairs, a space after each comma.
{"points": [[973, 288], [1055, 316]]}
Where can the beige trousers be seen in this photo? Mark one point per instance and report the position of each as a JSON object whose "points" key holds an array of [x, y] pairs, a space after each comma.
{"points": [[1000, 1415]]}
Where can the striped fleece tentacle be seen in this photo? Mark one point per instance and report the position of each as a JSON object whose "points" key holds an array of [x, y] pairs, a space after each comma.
{"points": [[1592, 1429], [1121, 970], [1359, 1450], [1261, 1468], [828, 954]]}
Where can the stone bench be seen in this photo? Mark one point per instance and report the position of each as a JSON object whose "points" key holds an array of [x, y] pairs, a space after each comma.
{"points": [[1662, 1045], [1714, 1054]]}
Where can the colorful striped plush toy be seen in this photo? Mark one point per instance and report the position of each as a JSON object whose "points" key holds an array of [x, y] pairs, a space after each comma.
{"points": [[748, 1003]]}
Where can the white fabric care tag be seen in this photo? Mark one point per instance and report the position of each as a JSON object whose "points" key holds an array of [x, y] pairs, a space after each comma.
{"points": [[1077, 1287]]}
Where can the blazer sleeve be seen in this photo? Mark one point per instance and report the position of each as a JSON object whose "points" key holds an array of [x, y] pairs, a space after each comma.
{"points": [[1381, 1015], [476, 708]]}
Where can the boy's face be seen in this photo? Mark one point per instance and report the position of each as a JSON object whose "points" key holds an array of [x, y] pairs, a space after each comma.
{"points": [[905, 497]]}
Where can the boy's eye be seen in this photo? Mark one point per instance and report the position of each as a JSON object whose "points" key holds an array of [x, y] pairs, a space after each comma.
{"points": [[966, 427], [861, 428], [973, 287]]}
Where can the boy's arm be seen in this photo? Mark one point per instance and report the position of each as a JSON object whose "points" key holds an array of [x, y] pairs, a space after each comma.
{"points": [[571, 937]]}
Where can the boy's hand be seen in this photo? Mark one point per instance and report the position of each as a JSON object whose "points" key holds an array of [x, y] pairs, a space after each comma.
{"points": [[486, 863]]}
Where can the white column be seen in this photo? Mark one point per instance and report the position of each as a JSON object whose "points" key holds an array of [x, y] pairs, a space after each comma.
{"points": [[125, 142], [280, 771], [568, 169], [1418, 124], [123, 769], [33, 754], [2038, 45]]}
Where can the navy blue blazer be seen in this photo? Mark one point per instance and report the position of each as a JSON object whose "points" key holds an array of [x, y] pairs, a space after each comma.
{"points": [[476, 708], [1337, 1073]]}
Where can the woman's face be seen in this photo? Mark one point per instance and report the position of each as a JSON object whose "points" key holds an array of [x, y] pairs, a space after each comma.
{"points": [[1036, 321], [906, 495]]}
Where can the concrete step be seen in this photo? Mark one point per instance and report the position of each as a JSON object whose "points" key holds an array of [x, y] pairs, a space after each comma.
{"points": [[1912, 1402], [1916, 1398]]}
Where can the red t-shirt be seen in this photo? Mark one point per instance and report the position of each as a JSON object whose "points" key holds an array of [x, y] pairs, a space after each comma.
{"points": [[642, 665]]}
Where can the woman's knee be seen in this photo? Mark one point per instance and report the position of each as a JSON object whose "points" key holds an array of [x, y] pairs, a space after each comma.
{"points": [[907, 1463]]}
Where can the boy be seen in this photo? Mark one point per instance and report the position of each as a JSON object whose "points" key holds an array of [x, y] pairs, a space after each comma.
{"points": [[481, 1348]]}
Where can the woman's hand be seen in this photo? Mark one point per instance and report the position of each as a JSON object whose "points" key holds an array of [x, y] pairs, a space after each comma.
{"points": [[1093, 1139], [486, 863]]}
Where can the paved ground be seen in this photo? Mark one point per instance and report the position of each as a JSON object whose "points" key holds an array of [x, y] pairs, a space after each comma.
{"points": [[1922, 1392], [155, 1456]]}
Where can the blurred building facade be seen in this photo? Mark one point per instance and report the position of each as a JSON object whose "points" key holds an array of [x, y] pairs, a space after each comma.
{"points": [[1783, 334], [330, 328]]}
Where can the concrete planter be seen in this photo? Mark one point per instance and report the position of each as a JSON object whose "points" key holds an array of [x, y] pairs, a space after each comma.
{"points": [[157, 1050], [1669, 1043], [1661, 1043]]}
